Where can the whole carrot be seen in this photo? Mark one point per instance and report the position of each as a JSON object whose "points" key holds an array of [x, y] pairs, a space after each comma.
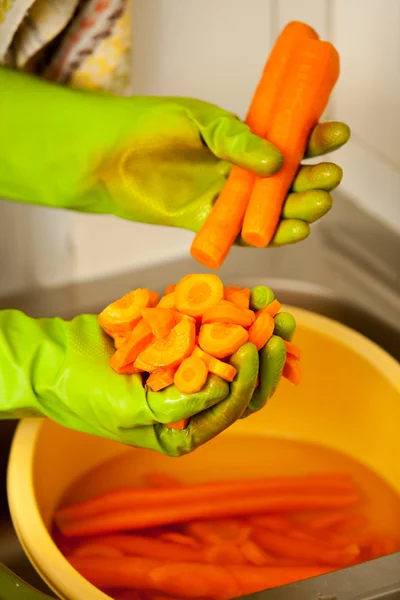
{"points": [[178, 494], [143, 518], [301, 101], [221, 228]]}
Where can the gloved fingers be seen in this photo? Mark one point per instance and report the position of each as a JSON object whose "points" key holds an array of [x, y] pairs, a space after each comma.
{"points": [[285, 326], [209, 423], [308, 206], [231, 140], [272, 360], [324, 176], [170, 405], [327, 137]]}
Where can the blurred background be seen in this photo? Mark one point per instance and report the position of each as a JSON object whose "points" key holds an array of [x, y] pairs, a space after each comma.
{"points": [[215, 50]]}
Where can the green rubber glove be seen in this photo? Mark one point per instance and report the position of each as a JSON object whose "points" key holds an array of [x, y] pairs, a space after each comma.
{"points": [[59, 369], [154, 160]]}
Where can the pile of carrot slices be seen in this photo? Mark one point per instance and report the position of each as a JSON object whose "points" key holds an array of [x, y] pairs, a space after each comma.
{"points": [[291, 96], [190, 332], [219, 539]]}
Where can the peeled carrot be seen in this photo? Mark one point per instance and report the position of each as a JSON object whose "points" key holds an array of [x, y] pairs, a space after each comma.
{"points": [[137, 497], [220, 230], [215, 366], [191, 375], [194, 294], [123, 314], [179, 425], [126, 369], [305, 91], [254, 554], [222, 339], [179, 538], [273, 308], [119, 340], [228, 313], [153, 299], [272, 522], [169, 289], [292, 349], [160, 320], [292, 370], [262, 329], [160, 379], [134, 344], [167, 301], [224, 554], [219, 532], [169, 351], [240, 297], [96, 548], [146, 517]]}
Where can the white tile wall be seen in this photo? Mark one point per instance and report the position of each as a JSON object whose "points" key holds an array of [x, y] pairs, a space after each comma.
{"points": [[214, 50]]}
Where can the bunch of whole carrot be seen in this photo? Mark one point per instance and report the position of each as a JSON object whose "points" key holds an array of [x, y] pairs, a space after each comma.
{"points": [[292, 94], [191, 331], [219, 539]]}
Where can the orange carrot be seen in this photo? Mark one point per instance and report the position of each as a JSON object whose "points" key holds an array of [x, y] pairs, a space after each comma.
{"points": [[214, 240], [160, 320], [94, 548], [228, 313], [169, 289], [148, 516], [292, 370], [191, 375], [305, 91], [219, 532], [238, 296], [123, 314], [221, 339], [262, 329], [127, 369], [179, 538], [290, 547], [292, 349], [161, 480], [254, 554], [339, 519], [153, 299], [167, 301], [169, 351], [194, 294], [134, 344], [179, 425], [215, 366], [137, 497], [224, 554], [119, 340], [272, 522], [160, 379], [273, 308]]}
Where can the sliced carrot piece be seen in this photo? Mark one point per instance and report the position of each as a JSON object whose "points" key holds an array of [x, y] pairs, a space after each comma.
{"points": [[119, 340], [292, 370], [191, 375], [169, 351], [239, 297], [161, 379], [167, 301], [194, 294], [124, 313], [136, 341], [292, 349], [273, 308], [262, 329], [160, 320], [127, 369], [225, 312], [222, 339], [215, 366], [254, 554], [179, 425], [153, 299], [170, 289]]}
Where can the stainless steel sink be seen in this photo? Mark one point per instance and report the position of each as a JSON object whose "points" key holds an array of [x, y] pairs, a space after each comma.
{"points": [[334, 273]]}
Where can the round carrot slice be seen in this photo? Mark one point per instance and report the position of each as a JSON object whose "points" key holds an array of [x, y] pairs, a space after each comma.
{"points": [[171, 350], [222, 339], [225, 312], [194, 294], [122, 315], [191, 375]]}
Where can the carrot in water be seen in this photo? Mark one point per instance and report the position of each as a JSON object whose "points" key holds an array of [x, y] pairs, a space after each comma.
{"points": [[222, 339], [148, 516], [194, 294], [254, 554], [306, 88], [123, 314], [94, 548], [160, 320], [240, 297], [221, 228], [272, 522], [160, 379], [292, 370], [191, 375], [136, 341], [138, 497], [292, 349], [179, 538], [228, 313], [262, 329], [169, 351], [215, 366], [219, 532]]}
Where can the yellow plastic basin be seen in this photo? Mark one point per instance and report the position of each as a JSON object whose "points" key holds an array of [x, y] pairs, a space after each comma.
{"points": [[349, 401]]}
